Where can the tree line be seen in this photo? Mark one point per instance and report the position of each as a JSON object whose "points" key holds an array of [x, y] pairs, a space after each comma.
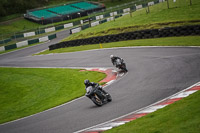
{"points": [[8, 7]]}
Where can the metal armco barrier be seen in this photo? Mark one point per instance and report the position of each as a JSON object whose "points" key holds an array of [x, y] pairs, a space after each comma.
{"points": [[142, 34]]}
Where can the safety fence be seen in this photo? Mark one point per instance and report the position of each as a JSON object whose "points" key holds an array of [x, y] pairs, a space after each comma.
{"points": [[27, 42], [37, 32], [103, 16], [142, 34]]}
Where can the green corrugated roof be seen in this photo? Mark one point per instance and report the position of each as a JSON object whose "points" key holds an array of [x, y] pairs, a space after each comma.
{"points": [[66, 9], [84, 5], [43, 13]]}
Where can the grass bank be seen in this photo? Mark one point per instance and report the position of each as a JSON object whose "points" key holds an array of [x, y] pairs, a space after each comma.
{"points": [[26, 91], [179, 13], [181, 117], [168, 41], [18, 25]]}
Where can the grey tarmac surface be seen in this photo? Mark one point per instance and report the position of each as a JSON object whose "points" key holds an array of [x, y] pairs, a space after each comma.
{"points": [[154, 74], [34, 49]]}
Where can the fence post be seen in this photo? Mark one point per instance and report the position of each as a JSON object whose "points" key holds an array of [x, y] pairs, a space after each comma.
{"points": [[168, 4], [2, 38], [15, 35], [130, 12], [52, 21]]}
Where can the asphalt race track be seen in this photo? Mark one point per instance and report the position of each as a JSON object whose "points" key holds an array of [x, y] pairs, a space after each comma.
{"points": [[154, 74]]}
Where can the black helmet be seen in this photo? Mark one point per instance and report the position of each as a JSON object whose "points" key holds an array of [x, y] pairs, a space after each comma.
{"points": [[86, 82]]}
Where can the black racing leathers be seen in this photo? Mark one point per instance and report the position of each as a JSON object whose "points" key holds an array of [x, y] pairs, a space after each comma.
{"points": [[98, 87], [113, 60]]}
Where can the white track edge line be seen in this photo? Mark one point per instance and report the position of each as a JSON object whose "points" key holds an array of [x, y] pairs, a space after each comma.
{"points": [[138, 109], [134, 47]]}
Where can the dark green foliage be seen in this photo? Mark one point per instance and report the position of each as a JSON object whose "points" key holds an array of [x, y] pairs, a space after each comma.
{"points": [[8, 7]]}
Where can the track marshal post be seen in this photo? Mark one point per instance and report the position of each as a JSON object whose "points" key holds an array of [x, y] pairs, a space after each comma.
{"points": [[100, 45]]}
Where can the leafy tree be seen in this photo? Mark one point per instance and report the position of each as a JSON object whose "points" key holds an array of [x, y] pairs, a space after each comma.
{"points": [[8, 7]]}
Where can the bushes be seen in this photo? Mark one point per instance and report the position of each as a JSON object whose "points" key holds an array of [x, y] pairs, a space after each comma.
{"points": [[8, 7]]}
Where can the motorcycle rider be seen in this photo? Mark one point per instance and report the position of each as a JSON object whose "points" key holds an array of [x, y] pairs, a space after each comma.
{"points": [[88, 83], [114, 58]]}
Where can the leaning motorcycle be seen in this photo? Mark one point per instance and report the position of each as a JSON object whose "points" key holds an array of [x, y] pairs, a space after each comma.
{"points": [[97, 96], [121, 65]]}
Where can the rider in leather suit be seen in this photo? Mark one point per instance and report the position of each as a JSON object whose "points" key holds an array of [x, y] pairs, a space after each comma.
{"points": [[114, 58], [88, 83]]}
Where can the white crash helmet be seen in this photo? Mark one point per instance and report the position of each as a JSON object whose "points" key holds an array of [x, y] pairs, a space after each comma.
{"points": [[111, 56]]}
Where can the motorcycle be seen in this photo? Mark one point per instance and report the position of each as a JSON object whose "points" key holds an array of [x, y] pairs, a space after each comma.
{"points": [[121, 65], [98, 96]]}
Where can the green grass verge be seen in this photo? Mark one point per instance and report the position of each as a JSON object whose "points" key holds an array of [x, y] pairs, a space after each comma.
{"points": [[181, 117], [168, 41], [178, 14], [26, 91]]}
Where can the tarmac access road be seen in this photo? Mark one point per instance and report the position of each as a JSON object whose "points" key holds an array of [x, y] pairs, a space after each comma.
{"points": [[35, 48], [154, 74]]}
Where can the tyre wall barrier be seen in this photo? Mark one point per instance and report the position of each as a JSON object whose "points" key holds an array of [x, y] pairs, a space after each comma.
{"points": [[142, 34], [27, 42]]}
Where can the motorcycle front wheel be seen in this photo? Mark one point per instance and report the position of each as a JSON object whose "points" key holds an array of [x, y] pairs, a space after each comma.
{"points": [[124, 68], [109, 98], [97, 101]]}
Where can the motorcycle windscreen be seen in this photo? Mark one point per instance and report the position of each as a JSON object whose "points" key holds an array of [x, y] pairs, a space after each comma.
{"points": [[89, 90]]}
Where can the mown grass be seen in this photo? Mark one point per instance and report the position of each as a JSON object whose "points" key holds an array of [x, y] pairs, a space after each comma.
{"points": [[14, 26], [168, 41], [179, 13], [181, 117], [26, 91]]}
